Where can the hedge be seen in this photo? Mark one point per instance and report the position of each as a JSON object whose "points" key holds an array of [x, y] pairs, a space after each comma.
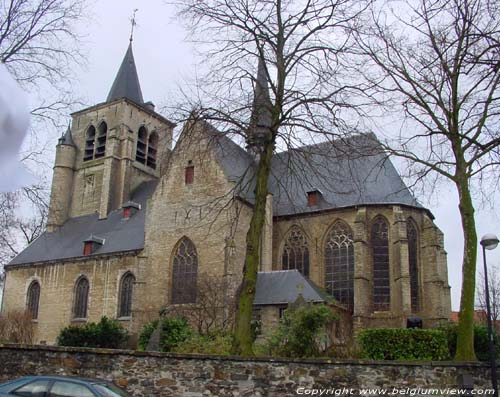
{"points": [[404, 344], [105, 334]]}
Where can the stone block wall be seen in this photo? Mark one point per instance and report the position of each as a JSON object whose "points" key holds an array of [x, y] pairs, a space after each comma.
{"points": [[163, 374]]}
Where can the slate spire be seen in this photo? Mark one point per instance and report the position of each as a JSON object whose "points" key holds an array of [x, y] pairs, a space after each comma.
{"points": [[261, 118], [67, 138], [126, 84]]}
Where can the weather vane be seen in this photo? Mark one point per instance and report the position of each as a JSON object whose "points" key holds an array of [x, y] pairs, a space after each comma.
{"points": [[132, 21]]}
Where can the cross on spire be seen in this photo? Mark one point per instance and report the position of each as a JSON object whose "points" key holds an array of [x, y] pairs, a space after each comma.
{"points": [[133, 22]]}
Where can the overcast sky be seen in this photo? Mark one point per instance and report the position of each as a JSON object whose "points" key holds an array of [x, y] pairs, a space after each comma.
{"points": [[164, 60]]}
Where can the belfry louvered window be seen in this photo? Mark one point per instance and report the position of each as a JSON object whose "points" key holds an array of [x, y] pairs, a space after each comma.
{"points": [[125, 295], [142, 141], [102, 136], [185, 272], [411, 234], [381, 271], [89, 144], [296, 252], [81, 298], [33, 299], [339, 264], [152, 150]]}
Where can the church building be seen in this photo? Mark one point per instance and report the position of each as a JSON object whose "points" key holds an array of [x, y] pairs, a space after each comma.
{"points": [[135, 223]]}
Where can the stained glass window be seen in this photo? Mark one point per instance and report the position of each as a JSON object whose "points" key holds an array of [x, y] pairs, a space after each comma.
{"points": [[381, 273], [296, 252], [339, 264], [185, 272]]}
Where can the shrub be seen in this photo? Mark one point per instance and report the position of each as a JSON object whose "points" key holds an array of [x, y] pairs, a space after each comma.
{"points": [[16, 327], [300, 332], [403, 344], [481, 341], [104, 334], [217, 343], [174, 330], [145, 334]]}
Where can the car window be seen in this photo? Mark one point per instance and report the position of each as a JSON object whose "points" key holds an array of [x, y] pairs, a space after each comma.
{"points": [[69, 389], [11, 385], [108, 390], [38, 388]]}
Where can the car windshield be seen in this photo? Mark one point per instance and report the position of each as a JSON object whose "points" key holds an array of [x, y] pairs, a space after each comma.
{"points": [[109, 390]]}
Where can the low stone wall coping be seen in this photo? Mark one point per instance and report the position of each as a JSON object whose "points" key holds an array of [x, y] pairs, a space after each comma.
{"points": [[193, 356]]}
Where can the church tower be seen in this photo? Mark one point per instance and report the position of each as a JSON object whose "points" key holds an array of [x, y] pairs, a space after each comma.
{"points": [[110, 149], [62, 181]]}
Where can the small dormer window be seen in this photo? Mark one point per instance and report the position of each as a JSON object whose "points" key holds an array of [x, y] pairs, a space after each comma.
{"points": [[313, 198], [92, 244], [189, 173], [129, 209]]}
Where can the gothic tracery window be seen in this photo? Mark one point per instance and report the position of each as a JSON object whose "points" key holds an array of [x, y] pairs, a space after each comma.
{"points": [[33, 299], [81, 298], [411, 234], [339, 264], [296, 252], [126, 295], [381, 273], [185, 272]]}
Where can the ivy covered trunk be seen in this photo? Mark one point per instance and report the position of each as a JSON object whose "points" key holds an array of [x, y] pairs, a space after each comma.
{"points": [[243, 340], [465, 336]]}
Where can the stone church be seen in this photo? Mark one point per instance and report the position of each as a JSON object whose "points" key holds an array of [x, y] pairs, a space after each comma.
{"points": [[135, 223]]}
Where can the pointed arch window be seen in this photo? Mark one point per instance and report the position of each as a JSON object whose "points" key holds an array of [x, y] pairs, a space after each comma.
{"points": [[381, 272], [81, 298], [33, 299], [142, 140], [89, 143], [126, 295], [339, 264], [296, 252], [185, 272], [152, 150], [412, 236], [101, 140]]}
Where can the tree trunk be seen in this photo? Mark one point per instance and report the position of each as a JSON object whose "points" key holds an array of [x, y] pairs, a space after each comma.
{"points": [[243, 341], [465, 337]]}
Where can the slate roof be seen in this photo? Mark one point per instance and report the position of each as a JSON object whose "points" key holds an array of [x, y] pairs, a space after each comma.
{"points": [[126, 84], [348, 172], [283, 287], [67, 138], [67, 242]]}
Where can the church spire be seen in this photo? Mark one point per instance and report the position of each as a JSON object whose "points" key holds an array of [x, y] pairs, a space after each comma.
{"points": [[126, 84], [261, 118], [67, 138]]}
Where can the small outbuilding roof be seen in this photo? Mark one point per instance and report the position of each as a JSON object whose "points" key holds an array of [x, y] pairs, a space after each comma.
{"points": [[284, 286]]}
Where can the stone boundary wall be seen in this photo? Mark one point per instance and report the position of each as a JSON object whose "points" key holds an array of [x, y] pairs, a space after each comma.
{"points": [[164, 374]]}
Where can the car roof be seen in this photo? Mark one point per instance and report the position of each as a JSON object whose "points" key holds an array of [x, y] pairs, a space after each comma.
{"points": [[66, 378]]}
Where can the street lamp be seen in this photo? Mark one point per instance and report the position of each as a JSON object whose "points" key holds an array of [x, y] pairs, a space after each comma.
{"points": [[489, 242]]}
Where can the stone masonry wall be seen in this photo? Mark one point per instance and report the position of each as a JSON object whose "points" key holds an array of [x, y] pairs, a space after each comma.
{"points": [[163, 374]]}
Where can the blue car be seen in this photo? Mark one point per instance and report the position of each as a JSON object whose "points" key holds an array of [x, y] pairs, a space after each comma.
{"points": [[60, 386]]}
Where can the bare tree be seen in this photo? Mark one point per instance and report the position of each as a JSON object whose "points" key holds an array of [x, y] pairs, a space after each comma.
{"points": [[434, 65], [40, 48], [23, 215], [494, 290], [213, 310], [301, 91]]}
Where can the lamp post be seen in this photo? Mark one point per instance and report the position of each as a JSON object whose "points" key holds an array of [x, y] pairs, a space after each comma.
{"points": [[489, 242]]}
